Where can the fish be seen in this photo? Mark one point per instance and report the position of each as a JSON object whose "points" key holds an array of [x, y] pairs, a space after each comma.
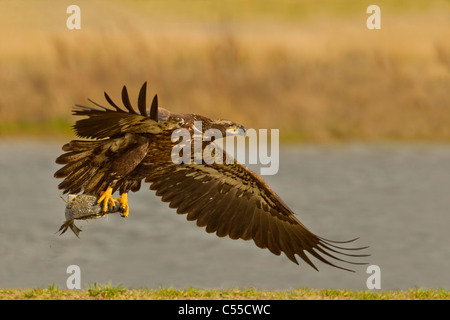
{"points": [[84, 207]]}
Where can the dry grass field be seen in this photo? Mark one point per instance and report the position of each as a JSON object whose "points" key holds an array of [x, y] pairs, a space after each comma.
{"points": [[309, 68]]}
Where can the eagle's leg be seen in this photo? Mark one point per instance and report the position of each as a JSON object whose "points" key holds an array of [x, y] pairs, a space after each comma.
{"points": [[106, 197], [123, 200]]}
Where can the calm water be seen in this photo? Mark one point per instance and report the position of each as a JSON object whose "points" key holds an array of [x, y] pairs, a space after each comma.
{"points": [[396, 198]]}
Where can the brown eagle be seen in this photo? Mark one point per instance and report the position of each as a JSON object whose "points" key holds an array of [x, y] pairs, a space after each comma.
{"points": [[129, 146]]}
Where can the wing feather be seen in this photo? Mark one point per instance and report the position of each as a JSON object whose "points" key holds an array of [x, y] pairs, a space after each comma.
{"points": [[126, 101], [154, 114], [142, 100], [102, 122], [111, 103], [229, 226], [232, 200]]}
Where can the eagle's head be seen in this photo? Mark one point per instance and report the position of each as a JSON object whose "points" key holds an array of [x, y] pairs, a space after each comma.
{"points": [[228, 128]]}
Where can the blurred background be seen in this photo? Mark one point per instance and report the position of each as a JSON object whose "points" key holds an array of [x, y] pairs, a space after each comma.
{"points": [[309, 68], [364, 119]]}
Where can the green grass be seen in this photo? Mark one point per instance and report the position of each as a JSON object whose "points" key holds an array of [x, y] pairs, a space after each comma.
{"points": [[108, 291]]}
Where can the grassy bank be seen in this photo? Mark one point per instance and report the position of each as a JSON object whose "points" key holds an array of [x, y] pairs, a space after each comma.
{"points": [[110, 292], [311, 69]]}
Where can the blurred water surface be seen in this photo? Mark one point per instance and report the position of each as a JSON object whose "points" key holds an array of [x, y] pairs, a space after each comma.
{"points": [[394, 197]]}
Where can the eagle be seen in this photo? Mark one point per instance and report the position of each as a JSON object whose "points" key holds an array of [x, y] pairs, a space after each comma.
{"points": [[122, 147]]}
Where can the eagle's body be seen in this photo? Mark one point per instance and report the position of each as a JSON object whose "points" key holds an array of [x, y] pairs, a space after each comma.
{"points": [[228, 199]]}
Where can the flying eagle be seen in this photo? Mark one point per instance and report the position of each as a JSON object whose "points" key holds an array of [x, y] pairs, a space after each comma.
{"points": [[128, 146]]}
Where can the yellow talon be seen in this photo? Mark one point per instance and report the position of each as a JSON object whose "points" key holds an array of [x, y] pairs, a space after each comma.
{"points": [[107, 198], [124, 204]]}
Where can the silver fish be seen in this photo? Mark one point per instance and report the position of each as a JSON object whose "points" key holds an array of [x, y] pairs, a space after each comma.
{"points": [[84, 207]]}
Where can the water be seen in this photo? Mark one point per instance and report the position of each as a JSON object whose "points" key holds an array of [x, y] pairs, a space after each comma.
{"points": [[395, 198]]}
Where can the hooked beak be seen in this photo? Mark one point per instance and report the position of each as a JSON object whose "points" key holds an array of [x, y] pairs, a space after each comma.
{"points": [[238, 131]]}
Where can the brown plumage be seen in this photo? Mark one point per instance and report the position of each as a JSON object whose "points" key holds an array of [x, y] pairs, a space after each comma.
{"points": [[228, 199]]}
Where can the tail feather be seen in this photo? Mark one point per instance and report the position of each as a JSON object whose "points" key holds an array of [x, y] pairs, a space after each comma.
{"points": [[73, 156], [96, 181], [81, 145], [92, 166], [75, 181], [69, 168], [83, 168]]}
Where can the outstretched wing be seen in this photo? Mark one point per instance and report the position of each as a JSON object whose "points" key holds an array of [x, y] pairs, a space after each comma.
{"points": [[230, 199], [104, 122]]}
